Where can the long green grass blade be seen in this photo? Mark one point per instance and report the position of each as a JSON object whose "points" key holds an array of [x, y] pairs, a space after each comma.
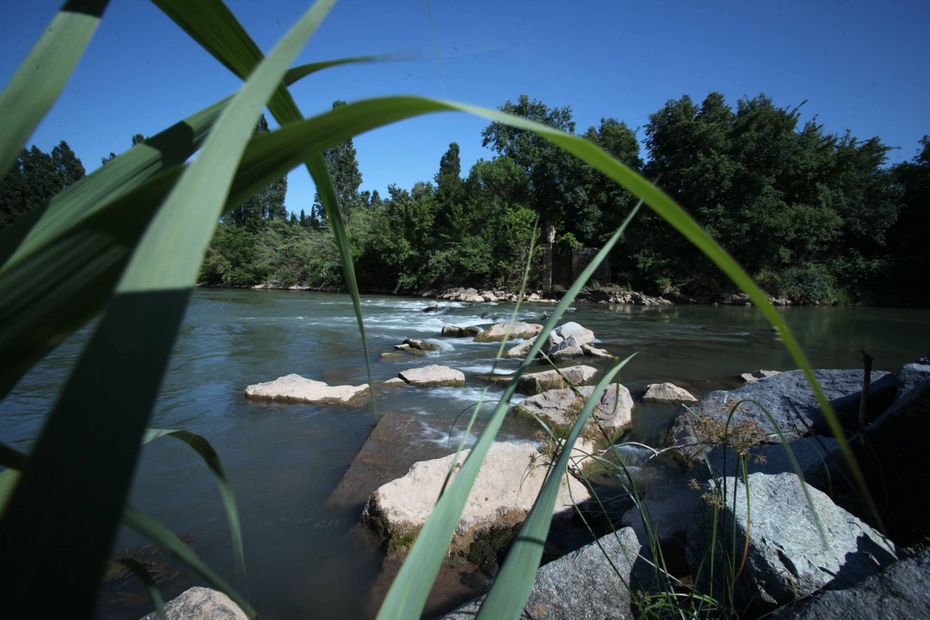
{"points": [[167, 540], [40, 78], [239, 53], [138, 569], [99, 420], [211, 459], [514, 583]]}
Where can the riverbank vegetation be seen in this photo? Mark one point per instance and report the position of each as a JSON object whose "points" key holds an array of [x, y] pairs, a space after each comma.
{"points": [[813, 216]]}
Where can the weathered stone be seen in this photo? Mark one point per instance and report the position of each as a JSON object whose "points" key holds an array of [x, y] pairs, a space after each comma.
{"points": [[899, 591], [431, 308], [406, 348], [394, 382], [583, 585], [536, 382], [756, 375], [560, 408], [201, 604], [787, 397], [433, 376], [669, 505], [567, 348], [518, 329], [504, 491], [422, 345], [521, 350], [581, 334], [667, 394], [296, 389], [594, 351], [787, 558], [912, 375], [813, 454], [455, 331]]}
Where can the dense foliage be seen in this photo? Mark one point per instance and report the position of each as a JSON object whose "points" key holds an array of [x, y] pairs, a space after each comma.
{"points": [[811, 215]]}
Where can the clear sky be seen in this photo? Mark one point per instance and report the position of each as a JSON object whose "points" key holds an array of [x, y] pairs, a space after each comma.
{"points": [[859, 66]]}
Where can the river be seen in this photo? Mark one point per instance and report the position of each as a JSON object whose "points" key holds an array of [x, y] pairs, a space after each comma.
{"points": [[307, 558]]}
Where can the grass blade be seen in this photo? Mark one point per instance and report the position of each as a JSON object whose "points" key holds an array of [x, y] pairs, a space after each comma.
{"points": [[167, 540], [100, 418], [211, 459], [142, 574], [43, 74], [514, 583]]}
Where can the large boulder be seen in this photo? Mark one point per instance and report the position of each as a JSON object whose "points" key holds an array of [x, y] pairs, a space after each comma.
{"points": [[560, 408], [912, 375], [510, 331], [536, 382], [201, 604], [582, 335], [521, 350], [506, 487], [787, 397], [669, 506], [588, 584], [433, 375], [667, 394], [899, 591], [787, 557], [296, 389]]}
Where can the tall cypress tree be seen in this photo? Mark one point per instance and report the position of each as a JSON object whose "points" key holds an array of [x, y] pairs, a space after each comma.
{"points": [[342, 163]]}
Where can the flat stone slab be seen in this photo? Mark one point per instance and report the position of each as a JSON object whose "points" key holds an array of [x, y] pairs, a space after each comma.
{"points": [[667, 394], [296, 389], [433, 376], [536, 382], [504, 491], [787, 558], [517, 329], [201, 604], [582, 585], [561, 407]]}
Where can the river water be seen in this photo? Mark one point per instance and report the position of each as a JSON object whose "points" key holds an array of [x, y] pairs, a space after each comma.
{"points": [[307, 557]]}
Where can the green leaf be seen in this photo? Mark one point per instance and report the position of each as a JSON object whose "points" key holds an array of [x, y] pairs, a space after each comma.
{"points": [[202, 447], [142, 574], [99, 420], [513, 584], [167, 540], [40, 78]]}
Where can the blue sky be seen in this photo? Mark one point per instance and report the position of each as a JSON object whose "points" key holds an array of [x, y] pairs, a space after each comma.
{"points": [[859, 66]]}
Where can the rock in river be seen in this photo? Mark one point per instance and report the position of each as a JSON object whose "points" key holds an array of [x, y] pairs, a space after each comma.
{"points": [[667, 394], [433, 376], [201, 604], [518, 329], [456, 331], [560, 408], [536, 382], [503, 494], [296, 389]]}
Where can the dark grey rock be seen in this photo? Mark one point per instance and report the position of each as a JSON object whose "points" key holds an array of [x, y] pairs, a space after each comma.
{"points": [[788, 399], [456, 331], [669, 506], [899, 591], [787, 557], [201, 604], [581, 585], [912, 375], [813, 455]]}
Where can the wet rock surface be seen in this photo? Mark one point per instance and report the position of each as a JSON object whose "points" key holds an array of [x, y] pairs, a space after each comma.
{"points": [[433, 376], [561, 407], [667, 394], [536, 382], [296, 389], [517, 329]]}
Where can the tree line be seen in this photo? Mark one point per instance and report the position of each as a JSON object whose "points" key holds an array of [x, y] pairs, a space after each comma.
{"points": [[813, 216]]}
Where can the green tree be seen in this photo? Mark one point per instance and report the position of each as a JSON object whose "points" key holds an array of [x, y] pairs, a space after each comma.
{"points": [[266, 205], [342, 163]]}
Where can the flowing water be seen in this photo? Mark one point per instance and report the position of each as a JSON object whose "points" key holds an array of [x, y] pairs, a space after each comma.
{"points": [[307, 557]]}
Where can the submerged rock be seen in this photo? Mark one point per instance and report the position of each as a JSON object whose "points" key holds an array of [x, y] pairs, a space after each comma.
{"points": [[504, 491], [421, 345], [433, 376], [296, 389], [517, 329], [899, 591], [787, 558], [560, 408], [594, 351], [583, 585], [201, 604], [536, 382], [667, 394], [757, 375]]}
